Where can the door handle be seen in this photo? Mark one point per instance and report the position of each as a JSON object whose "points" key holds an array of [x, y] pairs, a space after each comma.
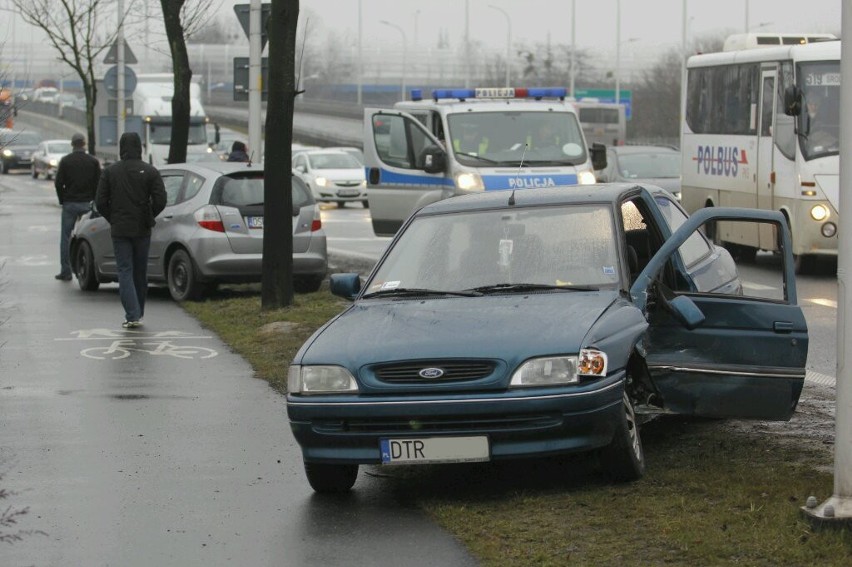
{"points": [[167, 217], [782, 327]]}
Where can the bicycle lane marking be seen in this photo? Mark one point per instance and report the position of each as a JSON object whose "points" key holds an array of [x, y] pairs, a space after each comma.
{"points": [[124, 342]]}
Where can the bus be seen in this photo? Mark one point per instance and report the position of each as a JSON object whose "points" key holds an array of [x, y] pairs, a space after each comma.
{"points": [[602, 122], [761, 130]]}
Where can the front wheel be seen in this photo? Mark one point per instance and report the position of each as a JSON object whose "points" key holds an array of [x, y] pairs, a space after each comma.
{"points": [[182, 279], [34, 172], [331, 479], [307, 284], [623, 459], [85, 268], [366, 203]]}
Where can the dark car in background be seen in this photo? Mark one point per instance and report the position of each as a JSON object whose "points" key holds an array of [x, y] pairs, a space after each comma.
{"points": [[210, 232], [657, 165], [531, 323], [16, 149]]}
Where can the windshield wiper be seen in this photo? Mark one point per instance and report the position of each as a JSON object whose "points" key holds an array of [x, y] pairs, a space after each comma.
{"points": [[418, 292], [524, 287], [476, 157]]}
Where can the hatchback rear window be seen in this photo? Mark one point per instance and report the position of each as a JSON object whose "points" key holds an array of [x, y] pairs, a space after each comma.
{"points": [[246, 189]]}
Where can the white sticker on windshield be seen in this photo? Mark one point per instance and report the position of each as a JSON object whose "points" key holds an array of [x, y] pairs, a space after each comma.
{"points": [[609, 270], [390, 285], [505, 251]]}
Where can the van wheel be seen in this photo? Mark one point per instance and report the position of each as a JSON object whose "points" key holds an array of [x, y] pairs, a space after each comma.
{"points": [[331, 479], [182, 278], [623, 460], [366, 203], [85, 268]]}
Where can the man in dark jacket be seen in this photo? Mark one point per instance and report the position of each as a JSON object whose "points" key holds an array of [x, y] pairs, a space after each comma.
{"points": [[131, 193], [239, 152], [76, 182]]}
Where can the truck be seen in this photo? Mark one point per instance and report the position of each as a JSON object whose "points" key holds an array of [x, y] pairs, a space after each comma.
{"points": [[149, 114], [462, 141]]}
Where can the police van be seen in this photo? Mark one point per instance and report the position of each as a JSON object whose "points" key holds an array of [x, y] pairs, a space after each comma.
{"points": [[470, 140]]}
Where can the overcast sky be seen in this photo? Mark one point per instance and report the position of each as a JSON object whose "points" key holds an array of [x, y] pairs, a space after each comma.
{"points": [[650, 22]]}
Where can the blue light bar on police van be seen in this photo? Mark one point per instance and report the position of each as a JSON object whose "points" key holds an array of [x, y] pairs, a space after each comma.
{"points": [[500, 93]]}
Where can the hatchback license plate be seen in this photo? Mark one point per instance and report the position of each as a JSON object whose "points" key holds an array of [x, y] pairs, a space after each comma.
{"points": [[434, 450], [254, 222]]}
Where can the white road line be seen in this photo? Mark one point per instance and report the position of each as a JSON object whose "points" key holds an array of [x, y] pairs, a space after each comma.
{"points": [[824, 302]]}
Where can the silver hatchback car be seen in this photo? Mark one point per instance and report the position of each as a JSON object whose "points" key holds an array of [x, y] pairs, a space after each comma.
{"points": [[210, 232]]}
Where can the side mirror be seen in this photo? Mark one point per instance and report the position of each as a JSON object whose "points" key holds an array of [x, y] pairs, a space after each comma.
{"points": [[598, 153], [684, 310], [434, 160], [792, 101], [346, 286]]}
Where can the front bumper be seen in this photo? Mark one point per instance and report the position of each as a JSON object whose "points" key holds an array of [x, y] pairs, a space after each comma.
{"points": [[517, 423]]}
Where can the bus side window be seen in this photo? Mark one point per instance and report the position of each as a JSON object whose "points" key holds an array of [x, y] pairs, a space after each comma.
{"points": [[766, 106]]}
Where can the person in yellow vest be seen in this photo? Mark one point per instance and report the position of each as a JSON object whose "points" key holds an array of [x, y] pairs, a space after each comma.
{"points": [[543, 138], [469, 141]]}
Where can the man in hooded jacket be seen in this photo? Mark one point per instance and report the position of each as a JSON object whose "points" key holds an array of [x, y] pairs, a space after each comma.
{"points": [[130, 194]]}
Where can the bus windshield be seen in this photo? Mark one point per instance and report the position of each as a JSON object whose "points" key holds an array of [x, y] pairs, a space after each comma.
{"points": [[510, 138], [819, 122]]}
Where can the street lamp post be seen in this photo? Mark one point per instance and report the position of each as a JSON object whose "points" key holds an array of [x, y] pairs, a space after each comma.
{"points": [[508, 43], [404, 51]]}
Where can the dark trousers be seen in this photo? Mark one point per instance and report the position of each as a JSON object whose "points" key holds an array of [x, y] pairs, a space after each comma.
{"points": [[71, 213], [131, 259]]}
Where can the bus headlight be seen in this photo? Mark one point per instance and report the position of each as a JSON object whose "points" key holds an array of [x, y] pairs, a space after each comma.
{"points": [[819, 212], [469, 182], [829, 229], [586, 178]]}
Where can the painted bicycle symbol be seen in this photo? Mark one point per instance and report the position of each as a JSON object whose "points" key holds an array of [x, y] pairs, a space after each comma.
{"points": [[122, 349]]}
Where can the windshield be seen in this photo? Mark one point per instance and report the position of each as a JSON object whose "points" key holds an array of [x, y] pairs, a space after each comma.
{"points": [[483, 139], [59, 148], [162, 133], [333, 161], [819, 122], [246, 189], [644, 166], [553, 246]]}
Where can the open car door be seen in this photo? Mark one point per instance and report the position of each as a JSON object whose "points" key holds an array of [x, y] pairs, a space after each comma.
{"points": [[738, 353], [395, 148]]}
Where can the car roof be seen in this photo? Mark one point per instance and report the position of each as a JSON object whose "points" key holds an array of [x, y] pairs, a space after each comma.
{"points": [[609, 193], [625, 150], [57, 141], [218, 168]]}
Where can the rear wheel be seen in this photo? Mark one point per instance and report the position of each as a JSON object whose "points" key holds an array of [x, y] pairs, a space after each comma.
{"points": [[331, 479], [85, 267], [307, 284], [623, 459], [182, 278], [366, 203]]}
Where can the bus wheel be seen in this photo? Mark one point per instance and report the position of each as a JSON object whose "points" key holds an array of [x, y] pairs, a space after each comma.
{"points": [[803, 263]]}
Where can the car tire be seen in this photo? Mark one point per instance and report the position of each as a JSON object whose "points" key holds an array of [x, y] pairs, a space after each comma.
{"points": [[623, 460], [4, 169], [182, 278], [341, 204], [34, 172], [307, 284], [84, 267], [331, 479], [366, 203]]}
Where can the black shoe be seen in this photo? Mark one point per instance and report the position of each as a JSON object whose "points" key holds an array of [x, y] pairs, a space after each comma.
{"points": [[63, 277]]}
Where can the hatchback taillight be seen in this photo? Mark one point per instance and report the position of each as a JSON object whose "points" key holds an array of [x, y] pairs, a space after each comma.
{"points": [[316, 224], [208, 217]]}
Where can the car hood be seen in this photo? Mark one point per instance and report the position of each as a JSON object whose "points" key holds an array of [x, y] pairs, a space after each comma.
{"points": [[505, 327], [338, 174]]}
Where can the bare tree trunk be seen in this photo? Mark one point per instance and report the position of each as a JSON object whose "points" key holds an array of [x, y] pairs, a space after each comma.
{"points": [[277, 285], [182, 79]]}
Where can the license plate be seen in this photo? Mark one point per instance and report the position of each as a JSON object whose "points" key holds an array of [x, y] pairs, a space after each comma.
{"points": [[347, 192], [434, 450], [254, 222]]}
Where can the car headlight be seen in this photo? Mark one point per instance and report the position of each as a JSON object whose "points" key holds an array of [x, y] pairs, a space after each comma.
{"points": [[8, 153], [321, 181], [54, 163], [310, 380], [556, 370], [469, 182], [364, 183], [586, 178]]}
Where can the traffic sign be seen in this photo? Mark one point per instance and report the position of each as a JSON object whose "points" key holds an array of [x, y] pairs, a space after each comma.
{"points": [[241, 77], [243, 10], [112, 54], [111, 81]]}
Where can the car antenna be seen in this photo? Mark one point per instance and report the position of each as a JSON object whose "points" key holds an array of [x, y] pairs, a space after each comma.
{"points": [[520, 165], [300, 90], [251, 155]]}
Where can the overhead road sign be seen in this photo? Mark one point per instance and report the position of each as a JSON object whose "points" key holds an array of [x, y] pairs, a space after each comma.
{"points": [[112, 55], [242, 12]]}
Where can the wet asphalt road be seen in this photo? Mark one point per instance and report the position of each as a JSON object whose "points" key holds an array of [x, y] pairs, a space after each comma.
{"points": [[156, 446]]}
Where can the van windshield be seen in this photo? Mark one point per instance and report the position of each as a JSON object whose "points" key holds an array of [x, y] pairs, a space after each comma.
{"points": [[819, 122], [483, 139], [161, 133]]}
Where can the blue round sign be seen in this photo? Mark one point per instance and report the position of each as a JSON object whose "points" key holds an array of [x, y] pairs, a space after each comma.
{"points": [[111, 81]]}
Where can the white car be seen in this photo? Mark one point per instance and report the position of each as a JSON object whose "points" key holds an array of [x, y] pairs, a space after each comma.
{"points": [[46, 157], [333, 176]]}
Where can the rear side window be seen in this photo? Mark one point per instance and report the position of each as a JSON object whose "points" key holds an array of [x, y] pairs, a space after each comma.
{"points": [[242, 190], [193, 185]]}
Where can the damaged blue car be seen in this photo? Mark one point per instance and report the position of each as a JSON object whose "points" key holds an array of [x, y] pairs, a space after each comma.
{"points": [[520, 324]]}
